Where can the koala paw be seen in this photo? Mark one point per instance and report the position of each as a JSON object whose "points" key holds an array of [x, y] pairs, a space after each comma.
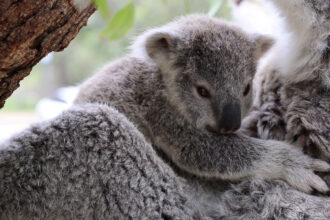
{"points": [[271, 126], [302, 176], [290, 164]]}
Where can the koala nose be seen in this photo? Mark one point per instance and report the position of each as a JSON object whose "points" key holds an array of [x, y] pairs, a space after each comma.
{"points": [[230, 119]]}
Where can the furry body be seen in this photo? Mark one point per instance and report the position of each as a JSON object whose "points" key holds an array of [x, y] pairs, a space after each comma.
{"points": [[158, 95], [89, 163], [92, 163], [117, 175], [293, 87]]}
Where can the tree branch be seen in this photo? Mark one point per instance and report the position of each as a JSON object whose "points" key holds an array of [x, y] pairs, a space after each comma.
{"points": [[30, 29]]}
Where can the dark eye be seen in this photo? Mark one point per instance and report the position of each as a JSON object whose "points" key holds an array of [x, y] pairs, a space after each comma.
{"points": [[203, 92], [246, 90]]}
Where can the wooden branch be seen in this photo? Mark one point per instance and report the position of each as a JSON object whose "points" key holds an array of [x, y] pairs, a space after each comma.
{"points": [[30, 29]]}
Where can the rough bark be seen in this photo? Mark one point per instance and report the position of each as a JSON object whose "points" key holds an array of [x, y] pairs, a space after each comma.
{"points": [[30, 29]]}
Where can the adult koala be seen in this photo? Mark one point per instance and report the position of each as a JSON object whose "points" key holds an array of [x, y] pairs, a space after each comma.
{"points": [[92, 163], [293, 84], [61, 169]]}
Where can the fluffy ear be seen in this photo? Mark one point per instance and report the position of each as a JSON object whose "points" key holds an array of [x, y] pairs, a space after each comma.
{"points": [[159, 46], [263, 44]]}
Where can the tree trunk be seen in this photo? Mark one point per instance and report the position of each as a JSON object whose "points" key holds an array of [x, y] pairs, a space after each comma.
{"points": [[30, 29]]}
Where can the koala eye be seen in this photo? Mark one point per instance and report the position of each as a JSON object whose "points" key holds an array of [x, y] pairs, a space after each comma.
{"points": [[203, 92], [246, 90]]}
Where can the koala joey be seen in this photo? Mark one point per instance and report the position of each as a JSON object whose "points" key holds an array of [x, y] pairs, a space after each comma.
{"points": [[186, 86]]}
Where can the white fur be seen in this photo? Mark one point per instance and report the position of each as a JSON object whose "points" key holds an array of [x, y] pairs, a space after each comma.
{"points": [[296, 53]]}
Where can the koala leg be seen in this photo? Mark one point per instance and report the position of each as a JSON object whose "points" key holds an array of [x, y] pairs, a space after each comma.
{"points": [[88, 163], [308, 120], [259, 199]]}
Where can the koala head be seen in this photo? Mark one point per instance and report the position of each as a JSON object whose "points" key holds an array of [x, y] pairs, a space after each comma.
{"points": [[207, 66]]}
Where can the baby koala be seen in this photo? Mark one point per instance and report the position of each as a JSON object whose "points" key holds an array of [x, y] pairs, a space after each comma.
{"points": [[186, 86]]}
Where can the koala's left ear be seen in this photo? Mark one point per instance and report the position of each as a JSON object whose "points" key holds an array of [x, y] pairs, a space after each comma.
{"points": [[262, 45], [159, 47]]}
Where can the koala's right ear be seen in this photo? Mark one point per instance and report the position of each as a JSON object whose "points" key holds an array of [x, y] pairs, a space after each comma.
{"points": [[159, 47]]}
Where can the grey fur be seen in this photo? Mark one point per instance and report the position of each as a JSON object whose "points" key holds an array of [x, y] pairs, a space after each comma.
{"points": [[89, 163], [293, 101], [158, 94], [92, 163], [129, 182]]}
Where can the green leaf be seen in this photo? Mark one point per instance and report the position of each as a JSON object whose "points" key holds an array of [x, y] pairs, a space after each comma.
{"points": [[215, 7], [121, 22], [102, 6]]}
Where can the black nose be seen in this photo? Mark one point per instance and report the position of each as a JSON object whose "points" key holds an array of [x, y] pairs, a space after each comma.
{"points": [[230, 119]]}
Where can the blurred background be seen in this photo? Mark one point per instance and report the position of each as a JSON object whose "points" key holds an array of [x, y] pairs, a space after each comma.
{"points": [[51, 87]]}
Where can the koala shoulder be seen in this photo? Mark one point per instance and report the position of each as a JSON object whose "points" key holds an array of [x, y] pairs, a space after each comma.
{"points": [[116, 78]]}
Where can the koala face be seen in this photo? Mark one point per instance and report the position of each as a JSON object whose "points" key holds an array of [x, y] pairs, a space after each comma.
{"points": [[208, 70]]}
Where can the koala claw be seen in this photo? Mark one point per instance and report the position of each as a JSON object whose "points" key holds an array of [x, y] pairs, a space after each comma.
{"points": [[287, 162], [320, 165], [306, 180]]}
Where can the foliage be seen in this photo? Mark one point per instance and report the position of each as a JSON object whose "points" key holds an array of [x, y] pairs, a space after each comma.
{"points": [[103, 8], [87, 52], [121, 22]]}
